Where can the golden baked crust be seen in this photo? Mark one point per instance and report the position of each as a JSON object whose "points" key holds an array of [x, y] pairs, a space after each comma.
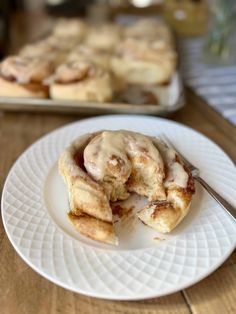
{"points": [[29, 90], [164, 216], [86, 195], [94, 229]]}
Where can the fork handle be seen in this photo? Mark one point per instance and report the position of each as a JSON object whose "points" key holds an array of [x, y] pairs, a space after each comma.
{"points": [[226, 205]]}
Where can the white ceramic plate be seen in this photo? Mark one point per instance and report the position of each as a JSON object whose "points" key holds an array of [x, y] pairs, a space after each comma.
{"points": [[35, 202]]}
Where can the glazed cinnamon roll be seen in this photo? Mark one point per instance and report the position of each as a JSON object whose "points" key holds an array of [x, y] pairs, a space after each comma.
{"points": [[107, 166], [42, 49], [98, 56], [62, 44], [51, 48], [81, 80], [105, 36], [70, 28], [24, 77], [150, 29], [143, 62], [37, 49]]}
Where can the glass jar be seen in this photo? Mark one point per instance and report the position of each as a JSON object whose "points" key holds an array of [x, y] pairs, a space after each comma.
{"points": [[220, 44]]}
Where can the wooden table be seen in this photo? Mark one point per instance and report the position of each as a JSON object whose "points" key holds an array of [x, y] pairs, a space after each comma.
{"points": [[22, 291]]}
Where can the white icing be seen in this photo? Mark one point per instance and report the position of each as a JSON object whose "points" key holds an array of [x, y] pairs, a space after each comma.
{"points": [[118, 148], [114, 154], [176, 175], [105, 149]]}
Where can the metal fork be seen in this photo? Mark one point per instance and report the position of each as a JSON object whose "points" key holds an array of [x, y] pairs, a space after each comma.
{"points": [[196, 175]]}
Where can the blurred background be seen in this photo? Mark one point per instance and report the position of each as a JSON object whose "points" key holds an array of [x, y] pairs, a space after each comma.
{"points": [[205, 33], [187, 17]]}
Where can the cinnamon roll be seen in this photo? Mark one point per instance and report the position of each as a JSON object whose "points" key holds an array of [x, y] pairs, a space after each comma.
{"points": [[98, 56], [81, 80], [107, 166], [70, 28], [51, 48], [62, 44], [105, 36], [150, 29], [42, 49], [142, 62], [24, 77], [38, 49]]}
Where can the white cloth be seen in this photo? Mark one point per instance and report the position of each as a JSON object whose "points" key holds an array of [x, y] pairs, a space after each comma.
{"points": [[216, 84]]}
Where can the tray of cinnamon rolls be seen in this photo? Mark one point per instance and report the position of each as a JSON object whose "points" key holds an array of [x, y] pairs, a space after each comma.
{"points": [[106, 68]]}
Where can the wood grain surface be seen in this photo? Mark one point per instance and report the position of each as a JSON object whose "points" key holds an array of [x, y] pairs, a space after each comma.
{"points": [[22, 291]]}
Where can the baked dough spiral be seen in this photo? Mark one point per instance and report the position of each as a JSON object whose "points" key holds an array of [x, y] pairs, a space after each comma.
{"points": [[143, 62], [104, 36], [150, 29], [70, 28], [83, 52], [24, 76], [38, 49], [107, 166], [81, 80]]}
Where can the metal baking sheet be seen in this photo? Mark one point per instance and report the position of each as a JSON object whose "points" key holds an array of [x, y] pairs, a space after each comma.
{"points": [[171, 98]]}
